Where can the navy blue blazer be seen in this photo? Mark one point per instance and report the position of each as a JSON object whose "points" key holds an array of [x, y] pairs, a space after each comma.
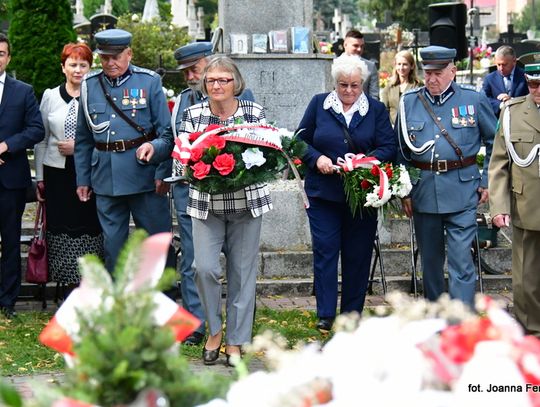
{"points": [[494, 85], [20, 127], [323, 132]]}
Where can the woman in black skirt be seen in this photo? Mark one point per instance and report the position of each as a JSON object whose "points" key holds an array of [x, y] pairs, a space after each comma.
{"points": [[73, 228]]}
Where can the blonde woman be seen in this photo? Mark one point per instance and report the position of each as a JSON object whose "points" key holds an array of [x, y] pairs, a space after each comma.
{"points": [[403, 79]]}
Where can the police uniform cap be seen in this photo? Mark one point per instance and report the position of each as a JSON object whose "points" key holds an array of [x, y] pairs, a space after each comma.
{"points": [[532, 71], [112, 42], [190, 54], [437, 57]]}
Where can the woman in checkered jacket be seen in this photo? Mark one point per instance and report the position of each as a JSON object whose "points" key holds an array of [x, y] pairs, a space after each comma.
{"points": [[228, 222]]}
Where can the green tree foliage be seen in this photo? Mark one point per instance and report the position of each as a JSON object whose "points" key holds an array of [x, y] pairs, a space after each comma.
{"points": [[524, 21], [36, 44], [119, 7], [409, 13], [152, 40]]}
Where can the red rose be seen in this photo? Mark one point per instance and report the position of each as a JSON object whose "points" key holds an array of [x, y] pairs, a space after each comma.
{"points": [[196, 154], [365, 184], [215, 141], [297, 161], [200, 170], [224, 163], [388, 170], [194, 136], [375, 170]]}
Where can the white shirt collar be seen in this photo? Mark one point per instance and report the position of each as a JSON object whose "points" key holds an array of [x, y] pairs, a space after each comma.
{"points": [[3, 78], [332, 101]]}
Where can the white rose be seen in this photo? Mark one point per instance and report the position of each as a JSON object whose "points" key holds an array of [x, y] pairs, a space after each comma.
{"points": [[253, 157]]}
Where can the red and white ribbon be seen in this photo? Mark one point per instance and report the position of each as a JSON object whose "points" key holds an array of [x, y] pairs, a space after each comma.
{"points": [[352, 161]]}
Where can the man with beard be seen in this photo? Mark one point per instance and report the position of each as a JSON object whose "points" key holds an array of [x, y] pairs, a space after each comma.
{"points": [[192, 59]]}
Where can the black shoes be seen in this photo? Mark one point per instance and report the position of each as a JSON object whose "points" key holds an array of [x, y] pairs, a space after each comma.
{"points": [[230, 361], [8, 312], [325, 324], [195, 338], [210, 356]]}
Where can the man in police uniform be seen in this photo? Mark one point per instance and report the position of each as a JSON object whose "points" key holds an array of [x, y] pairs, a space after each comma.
{"points": [[445, 197], [192, 59], [107, 138], [514, 188]]}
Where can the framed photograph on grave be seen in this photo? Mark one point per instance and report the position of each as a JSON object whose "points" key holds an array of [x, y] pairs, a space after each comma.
{"points": [[259, 43], [279, 41], [239, 43], [300, 39]]}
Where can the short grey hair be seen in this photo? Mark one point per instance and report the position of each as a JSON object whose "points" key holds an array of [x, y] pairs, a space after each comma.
{"points": [[225, 64], [505, 51], [346, 65]]}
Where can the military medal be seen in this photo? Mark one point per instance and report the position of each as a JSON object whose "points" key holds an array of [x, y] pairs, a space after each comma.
{"points": [[455, 119], [142, 99], [463, 115], [125, 98], [470, 118]]}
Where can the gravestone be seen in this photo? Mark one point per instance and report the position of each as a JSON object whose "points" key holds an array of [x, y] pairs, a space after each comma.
{"points": [[283, 83]]}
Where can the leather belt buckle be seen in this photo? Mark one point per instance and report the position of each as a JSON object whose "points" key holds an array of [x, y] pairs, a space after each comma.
{"points": [[119, 146], [442, 166]]}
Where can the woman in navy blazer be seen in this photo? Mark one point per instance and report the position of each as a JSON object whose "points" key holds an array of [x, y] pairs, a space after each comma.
{"points": [[333, 227]]}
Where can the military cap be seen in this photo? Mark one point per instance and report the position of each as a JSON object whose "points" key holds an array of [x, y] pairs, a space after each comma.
{"points": [[112, 42], [437, 57], [190, 54], [532, 71]]}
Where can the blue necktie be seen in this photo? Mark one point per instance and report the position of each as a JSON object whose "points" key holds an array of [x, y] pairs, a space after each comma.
{"points": [[507, 84]]}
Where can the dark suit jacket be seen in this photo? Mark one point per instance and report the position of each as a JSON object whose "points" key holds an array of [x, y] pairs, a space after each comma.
{"points": [[323, 133], [20, 127], [494, 85]]}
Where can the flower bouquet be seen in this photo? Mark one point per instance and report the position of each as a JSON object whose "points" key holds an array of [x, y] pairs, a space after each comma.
{"points": [[370, 183], [226, 159], [120, 337]]}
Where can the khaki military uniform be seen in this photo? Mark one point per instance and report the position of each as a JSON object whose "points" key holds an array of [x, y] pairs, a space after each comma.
{"points": [[515, 190]]}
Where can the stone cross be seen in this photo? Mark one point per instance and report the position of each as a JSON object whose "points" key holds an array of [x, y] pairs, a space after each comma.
{"points": [[337, 20]]}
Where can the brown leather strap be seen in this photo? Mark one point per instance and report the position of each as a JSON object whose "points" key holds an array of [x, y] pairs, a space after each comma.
{"points": [[445, 165], [119, 111], [122, 145], [444, 132]]}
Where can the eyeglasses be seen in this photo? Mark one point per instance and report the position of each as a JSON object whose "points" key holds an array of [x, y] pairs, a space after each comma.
{"points": [[345, 86], [533, 84], [220, 81]]}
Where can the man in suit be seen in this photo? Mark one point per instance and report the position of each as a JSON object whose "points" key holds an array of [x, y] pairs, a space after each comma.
{"points": [[514, 189], [122, 106], [508, 81], [354, 44], [440, 128], [20, 128]]}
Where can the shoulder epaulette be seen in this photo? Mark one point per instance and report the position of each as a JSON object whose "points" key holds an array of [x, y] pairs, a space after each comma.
{"points": [[138, 69], [186, 90], [411, 91], [513, 101], [467, 86], [91, 74]]}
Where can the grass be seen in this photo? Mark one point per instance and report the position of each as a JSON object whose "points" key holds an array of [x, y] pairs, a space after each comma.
{"points": [[22, 354], [20, 351]]}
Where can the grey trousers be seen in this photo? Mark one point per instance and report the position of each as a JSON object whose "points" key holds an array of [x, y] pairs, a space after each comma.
{"points": [[238, 234]]}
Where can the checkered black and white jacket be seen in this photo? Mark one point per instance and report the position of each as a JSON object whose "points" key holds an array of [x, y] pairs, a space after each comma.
{"points": [[256, 197]]}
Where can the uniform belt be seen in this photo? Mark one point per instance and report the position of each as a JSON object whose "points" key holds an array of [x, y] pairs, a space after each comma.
{"points": [[122, 145], [445, 165]]}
